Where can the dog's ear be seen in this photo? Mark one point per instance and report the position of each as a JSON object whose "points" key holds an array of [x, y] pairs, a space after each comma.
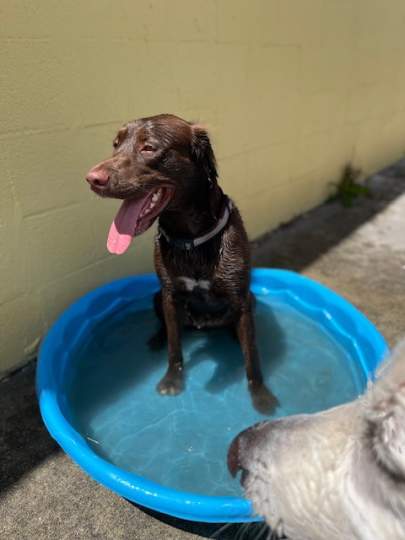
{"points": [[385, 413], [202, 152]]}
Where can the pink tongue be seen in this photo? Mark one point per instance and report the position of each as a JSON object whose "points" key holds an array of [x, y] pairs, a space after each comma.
{"points": [[123, 228]]}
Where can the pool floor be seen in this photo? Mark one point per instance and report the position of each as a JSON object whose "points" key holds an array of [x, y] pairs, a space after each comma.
{"points": [[181, 442]]}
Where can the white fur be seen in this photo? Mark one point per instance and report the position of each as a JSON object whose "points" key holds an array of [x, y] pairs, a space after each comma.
{"points": [[190, 284], [338, 474]]}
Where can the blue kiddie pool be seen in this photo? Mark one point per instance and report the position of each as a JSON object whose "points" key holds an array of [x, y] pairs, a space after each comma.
{"points": [[96, 384]]}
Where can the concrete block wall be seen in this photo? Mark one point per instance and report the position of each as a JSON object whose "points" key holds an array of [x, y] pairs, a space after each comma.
{"points": [[291, 89]]}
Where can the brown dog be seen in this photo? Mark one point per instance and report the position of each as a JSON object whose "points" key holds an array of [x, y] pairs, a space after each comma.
{"points": [[164, 167]]}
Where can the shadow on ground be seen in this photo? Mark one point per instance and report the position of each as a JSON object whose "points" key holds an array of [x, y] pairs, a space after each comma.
{"points": [[24, 441], [216, 531]]}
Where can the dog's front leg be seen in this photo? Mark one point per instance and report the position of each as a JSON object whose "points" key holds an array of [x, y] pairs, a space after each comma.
{"points": [[263, 400], [172, 382]]}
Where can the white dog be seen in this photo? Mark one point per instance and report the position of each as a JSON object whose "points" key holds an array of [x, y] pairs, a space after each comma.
{"points": [[335, 475]]}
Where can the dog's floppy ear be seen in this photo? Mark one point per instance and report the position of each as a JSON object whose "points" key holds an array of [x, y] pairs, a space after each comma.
{"points": [[202, 152], [385, 413]]}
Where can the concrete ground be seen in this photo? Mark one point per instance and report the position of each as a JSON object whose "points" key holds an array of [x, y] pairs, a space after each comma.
{"points": [[358, 252]]}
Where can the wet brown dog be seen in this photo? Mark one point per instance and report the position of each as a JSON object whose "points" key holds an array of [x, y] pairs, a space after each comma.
{"points": [[164, 167]]}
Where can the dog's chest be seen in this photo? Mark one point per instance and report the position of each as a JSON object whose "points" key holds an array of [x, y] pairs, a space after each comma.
{"points": [[199, 296], [191, 284]]}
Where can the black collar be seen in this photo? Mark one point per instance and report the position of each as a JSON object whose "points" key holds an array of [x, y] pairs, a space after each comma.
{"points": [[191, 243]]}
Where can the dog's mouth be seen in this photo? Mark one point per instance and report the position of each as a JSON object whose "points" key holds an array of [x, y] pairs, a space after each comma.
{"points": [[135, 216]]}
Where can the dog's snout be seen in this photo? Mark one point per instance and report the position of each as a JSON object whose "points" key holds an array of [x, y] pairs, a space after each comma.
{"points": [[98, 177], [233, 457], [241, 447]]}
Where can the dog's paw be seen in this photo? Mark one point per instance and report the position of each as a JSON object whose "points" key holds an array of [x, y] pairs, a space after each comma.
{"points": [[171, 384], [264, 401]]}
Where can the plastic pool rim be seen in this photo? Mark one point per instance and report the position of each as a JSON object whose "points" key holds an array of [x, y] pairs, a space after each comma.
{"points": [[358, 333]]}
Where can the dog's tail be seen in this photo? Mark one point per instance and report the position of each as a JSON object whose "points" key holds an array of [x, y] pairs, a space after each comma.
{"points": [[385, 413]]}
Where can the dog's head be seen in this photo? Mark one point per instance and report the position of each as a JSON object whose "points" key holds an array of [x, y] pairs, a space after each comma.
{"points": [[157, 163], [293, 466], [385, 415]]}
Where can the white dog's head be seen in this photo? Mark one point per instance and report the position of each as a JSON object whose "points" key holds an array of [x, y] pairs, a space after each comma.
{"points": [[384, 414], [335, 474]]}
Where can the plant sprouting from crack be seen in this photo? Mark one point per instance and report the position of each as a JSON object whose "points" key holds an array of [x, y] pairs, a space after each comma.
{"points": [[348, 188]]}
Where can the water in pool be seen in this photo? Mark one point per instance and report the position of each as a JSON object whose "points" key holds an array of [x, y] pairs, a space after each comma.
{"points": [[181, 442]]}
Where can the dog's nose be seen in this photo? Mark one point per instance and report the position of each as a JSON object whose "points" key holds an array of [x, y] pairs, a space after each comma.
{"points": [[234, 461], [98, 177], [241, 447]]}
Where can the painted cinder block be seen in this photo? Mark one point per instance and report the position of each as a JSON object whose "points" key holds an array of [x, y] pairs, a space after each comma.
{"points": [[45, 170], [13, 260], [21, 327], [269, 168], [57, 242], [35, 93], [234, 177]]}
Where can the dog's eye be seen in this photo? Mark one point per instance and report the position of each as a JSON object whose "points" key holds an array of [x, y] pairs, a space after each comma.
{"points": [[147, 148], [116, 143]]}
